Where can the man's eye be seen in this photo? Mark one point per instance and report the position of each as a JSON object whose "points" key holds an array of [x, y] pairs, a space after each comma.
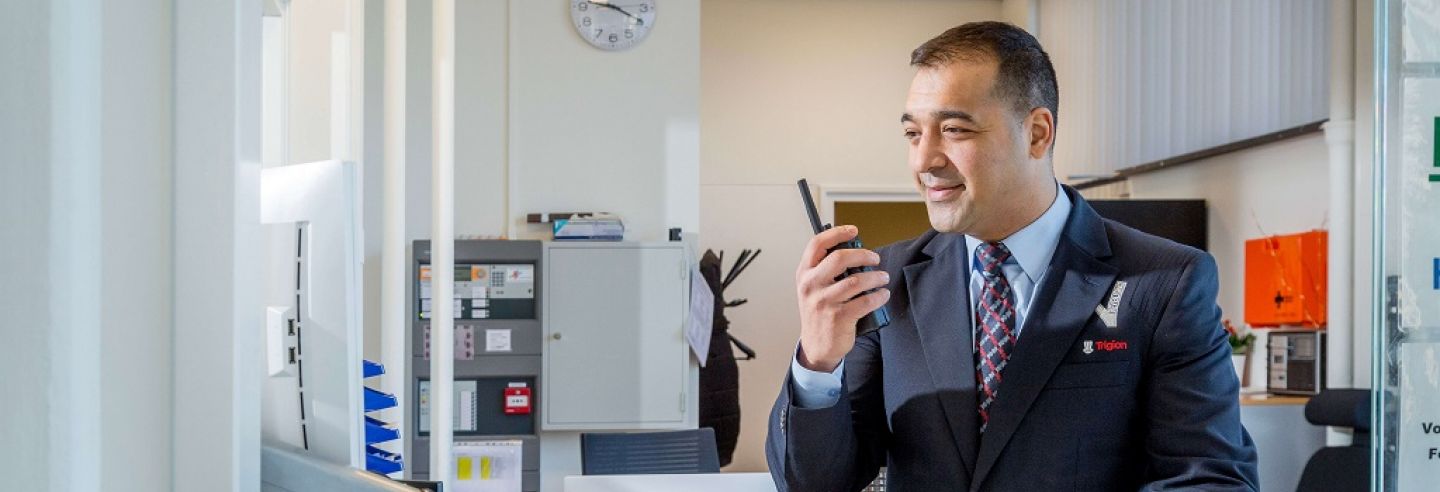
{"points": [[911, 134], [955, 130]]}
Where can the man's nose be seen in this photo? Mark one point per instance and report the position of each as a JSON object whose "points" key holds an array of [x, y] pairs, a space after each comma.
{"points": [[928, 155]]}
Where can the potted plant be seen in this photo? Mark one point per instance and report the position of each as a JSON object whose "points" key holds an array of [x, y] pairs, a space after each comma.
{"points": [[1242, 344]]}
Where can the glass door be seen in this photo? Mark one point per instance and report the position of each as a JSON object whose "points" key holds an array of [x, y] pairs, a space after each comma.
{"points": [[1407, 243]]}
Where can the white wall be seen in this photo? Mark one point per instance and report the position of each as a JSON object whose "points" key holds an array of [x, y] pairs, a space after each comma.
{"points": [[1364, 292], [595, 130], [1278, 188], [217, 258], [87, 246], [136, 180], [796, 89], [136, 144], [24, 245], [1293, 199], [318, 28], [315, 26], [545, 122], [482, 131], [1142, 81], [372, 172], [313, 23]]}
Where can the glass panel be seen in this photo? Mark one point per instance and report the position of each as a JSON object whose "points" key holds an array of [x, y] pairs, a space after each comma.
{"points": [[1408, 239]]}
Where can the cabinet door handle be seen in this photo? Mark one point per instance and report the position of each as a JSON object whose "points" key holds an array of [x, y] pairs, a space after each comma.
{"points": [[555, 336]]}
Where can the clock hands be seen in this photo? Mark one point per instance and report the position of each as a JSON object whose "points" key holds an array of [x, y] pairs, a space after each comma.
{"points": [[617, 9]]}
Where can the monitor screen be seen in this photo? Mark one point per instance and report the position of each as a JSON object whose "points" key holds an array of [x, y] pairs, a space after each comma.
{"points": [[1183, 221]]}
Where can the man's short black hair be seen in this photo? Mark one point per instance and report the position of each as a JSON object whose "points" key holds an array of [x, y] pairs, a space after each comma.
{"points": [[1026, 78]]}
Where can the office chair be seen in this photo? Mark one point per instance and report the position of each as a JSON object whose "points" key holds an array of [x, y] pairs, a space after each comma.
{"points": [[646, 453], [1339, 468]]}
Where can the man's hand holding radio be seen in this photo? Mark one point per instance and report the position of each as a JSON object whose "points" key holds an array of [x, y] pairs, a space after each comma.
{"points": [[829, 308]]}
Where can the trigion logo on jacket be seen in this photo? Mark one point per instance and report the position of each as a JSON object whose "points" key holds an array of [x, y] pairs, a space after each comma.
{"points": [[1105, 345]]}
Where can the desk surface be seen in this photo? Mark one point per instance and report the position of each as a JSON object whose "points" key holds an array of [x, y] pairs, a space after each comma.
{"points": [[1269, 399], [698, 482]]}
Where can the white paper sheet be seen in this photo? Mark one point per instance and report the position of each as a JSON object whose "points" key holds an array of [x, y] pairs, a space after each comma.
{"points": [[497, 340], [488, 466], [1419, 415], [702, 316]]}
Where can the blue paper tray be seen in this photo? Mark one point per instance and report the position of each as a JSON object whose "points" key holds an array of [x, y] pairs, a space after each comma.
{"points": [[377, 431], [371, 369], [382, 462], [376, 400]]}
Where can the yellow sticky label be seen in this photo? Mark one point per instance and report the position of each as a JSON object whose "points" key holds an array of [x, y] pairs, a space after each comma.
{"points": [[485, 468], [464, 467]]}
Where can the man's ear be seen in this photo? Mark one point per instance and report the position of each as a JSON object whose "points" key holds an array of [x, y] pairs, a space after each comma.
{"points": [[1040, 126]]}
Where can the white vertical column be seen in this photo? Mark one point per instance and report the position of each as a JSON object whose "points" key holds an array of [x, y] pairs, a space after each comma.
{"points": [[1340, 136], [75, 425], [340, 96], [217, 295], [392, 255], [442, 248]]}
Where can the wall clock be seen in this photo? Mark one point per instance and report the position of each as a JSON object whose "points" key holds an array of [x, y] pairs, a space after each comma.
{"points": [[613, 25]]}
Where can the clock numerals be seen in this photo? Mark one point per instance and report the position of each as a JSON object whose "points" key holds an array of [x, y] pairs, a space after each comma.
{"points": [[613, 25]]}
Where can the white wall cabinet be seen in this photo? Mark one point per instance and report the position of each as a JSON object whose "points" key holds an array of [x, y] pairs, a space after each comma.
{"points": [[615, 354]]}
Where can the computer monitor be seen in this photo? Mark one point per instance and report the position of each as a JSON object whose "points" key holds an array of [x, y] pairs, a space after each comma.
{"points": [[1183, 221]]}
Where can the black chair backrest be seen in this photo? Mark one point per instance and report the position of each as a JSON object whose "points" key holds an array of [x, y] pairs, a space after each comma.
{"points": [[646, 453], [1340, 408], [1342, 468]]}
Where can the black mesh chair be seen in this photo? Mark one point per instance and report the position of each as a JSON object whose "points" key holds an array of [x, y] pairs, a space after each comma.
{"points": [[1340, 468], [648, 453]]}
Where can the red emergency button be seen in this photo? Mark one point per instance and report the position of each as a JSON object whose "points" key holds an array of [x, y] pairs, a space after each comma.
{"points": [[517, 399]]}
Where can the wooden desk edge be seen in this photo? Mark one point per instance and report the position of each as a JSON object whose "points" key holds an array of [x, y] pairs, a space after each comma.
{"points": [[1269, 399]]}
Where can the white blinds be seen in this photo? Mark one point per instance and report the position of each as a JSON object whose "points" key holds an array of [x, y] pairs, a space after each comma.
{"points": [[1143, 80]]}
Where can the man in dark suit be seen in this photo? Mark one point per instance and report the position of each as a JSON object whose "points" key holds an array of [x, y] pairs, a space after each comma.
{"points": [[1034, 345]]}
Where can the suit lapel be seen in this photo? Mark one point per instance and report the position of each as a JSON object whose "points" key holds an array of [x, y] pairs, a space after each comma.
{"points": [[941, 309], [1076, 282]]}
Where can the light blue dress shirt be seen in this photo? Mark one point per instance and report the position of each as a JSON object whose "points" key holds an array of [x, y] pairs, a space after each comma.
{"points": [[1030, 251]]}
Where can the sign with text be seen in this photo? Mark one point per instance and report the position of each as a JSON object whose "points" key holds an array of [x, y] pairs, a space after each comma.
{"points": [[1412, 233], [1419, 426]]}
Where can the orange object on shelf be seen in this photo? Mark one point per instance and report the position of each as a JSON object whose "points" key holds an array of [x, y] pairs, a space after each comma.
{"points": [[1285, 280]]}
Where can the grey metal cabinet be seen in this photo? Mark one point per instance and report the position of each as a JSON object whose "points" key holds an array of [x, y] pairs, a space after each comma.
{"points": [[615, 356]]}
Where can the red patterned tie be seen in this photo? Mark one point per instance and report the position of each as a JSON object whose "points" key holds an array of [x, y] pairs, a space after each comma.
{"points": [[994, 326]]}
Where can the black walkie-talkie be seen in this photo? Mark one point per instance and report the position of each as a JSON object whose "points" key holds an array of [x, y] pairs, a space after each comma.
{"points": [[878, 318]]}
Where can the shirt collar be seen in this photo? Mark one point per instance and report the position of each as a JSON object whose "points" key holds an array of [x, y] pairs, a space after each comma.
{"points": [[1033, 245]]}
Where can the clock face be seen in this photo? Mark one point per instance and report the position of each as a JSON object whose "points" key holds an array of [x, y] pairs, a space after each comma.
{"points": [[613, 24]]}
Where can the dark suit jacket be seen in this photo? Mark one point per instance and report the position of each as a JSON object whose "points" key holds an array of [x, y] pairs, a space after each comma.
{"points": [[1150, 403]]}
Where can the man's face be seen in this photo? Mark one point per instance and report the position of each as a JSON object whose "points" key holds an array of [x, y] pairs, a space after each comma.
{"points": [[968, 148]]}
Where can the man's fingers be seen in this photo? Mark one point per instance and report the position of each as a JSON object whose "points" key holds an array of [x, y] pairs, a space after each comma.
{"points": [[840, 260], [822, 242], [822, 276], [853, 285], [863, 305]]}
